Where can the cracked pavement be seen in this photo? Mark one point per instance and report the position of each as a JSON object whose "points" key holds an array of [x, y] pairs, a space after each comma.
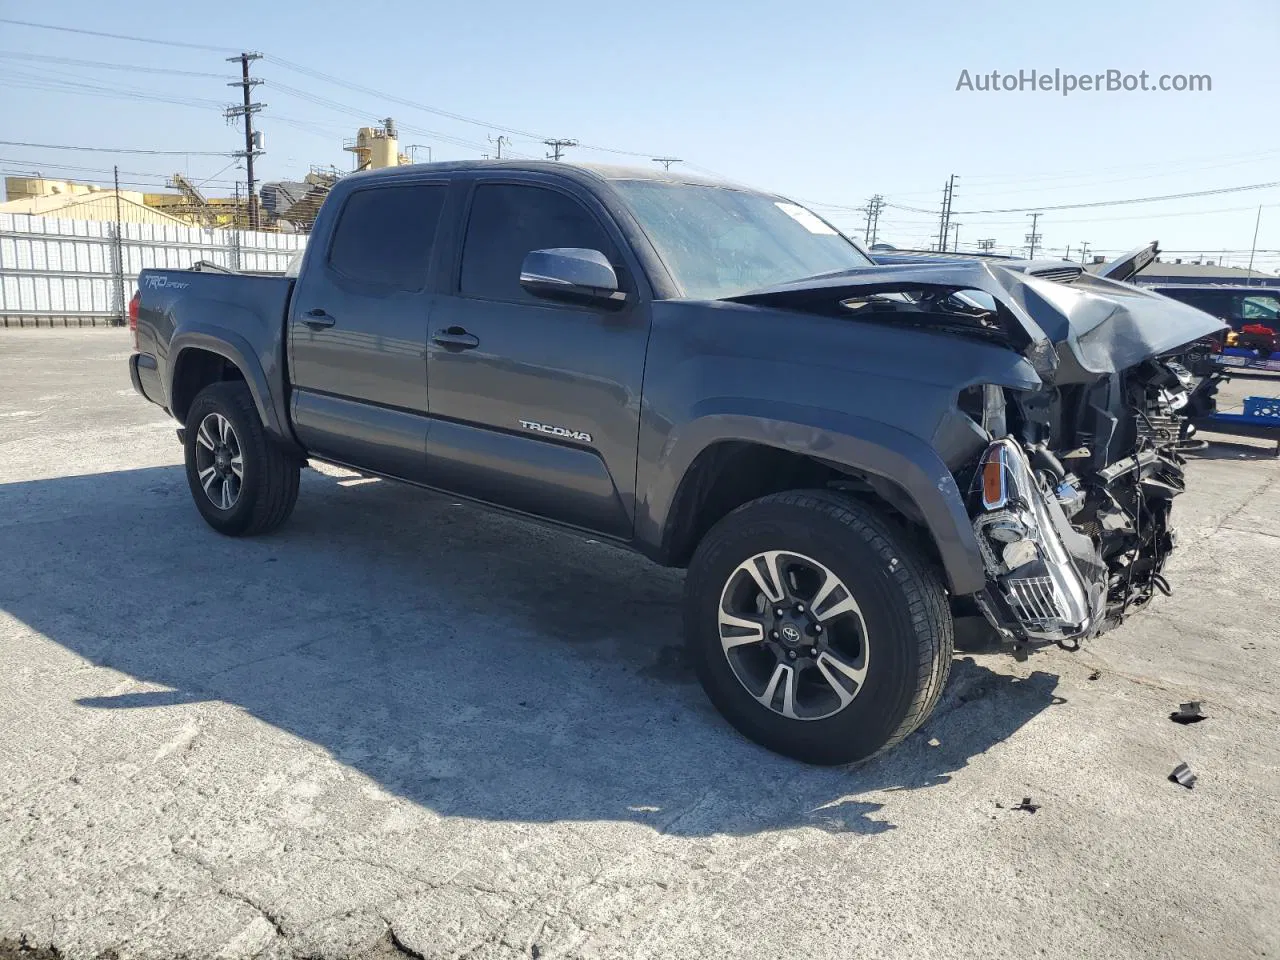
{"points": [[405, 727]]}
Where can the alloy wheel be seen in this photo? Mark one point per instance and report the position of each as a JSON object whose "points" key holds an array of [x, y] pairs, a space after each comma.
{"points": [[794, 635], [219, 461]]}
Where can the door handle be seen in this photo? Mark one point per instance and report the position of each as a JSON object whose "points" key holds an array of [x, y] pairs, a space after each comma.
{"points": [[317, 319], [455, 337]]}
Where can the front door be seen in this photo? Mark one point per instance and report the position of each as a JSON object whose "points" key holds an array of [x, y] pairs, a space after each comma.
{"points": [[358, 331], [535, 404]]}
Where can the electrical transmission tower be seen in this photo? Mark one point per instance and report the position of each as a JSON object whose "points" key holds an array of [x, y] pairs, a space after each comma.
{"points": [[873, 208], [1033, 238], [666, 161], [252, 141], [557, 147], [944, 227]]}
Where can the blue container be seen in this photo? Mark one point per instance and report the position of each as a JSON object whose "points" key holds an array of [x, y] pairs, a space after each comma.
{"points": [[1262, 408]]}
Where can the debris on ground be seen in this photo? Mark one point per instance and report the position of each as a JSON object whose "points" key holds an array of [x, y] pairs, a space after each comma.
{"points": [[1095, 675], [1182, 774], [1026, 805], [1189, 712]]}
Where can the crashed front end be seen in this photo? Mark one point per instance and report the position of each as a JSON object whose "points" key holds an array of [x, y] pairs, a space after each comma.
{"points": [[1073, 468], [1071, 502]]}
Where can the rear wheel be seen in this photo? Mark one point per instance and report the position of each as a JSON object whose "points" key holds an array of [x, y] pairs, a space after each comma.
{"points": [[243, 483], [815, 629]]}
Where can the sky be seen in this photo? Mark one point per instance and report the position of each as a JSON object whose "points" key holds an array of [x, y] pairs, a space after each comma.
{"points": [[827, 103]]}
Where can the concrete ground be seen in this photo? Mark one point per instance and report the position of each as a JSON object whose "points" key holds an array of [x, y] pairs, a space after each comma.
{"points": [[404, 726]]}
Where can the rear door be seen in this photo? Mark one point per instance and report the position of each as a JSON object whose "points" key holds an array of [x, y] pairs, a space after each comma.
{"points": [[358, 330], [535, 403]]}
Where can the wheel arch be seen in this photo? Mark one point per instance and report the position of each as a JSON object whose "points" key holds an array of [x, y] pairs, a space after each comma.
{"points": [[201, 356], [723, 460]]}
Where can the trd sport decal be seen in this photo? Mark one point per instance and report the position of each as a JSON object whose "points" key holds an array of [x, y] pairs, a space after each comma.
{"points": [[556, 431]]}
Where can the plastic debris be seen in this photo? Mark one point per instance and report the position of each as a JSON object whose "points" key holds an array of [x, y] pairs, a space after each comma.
{"points": [[1182, 774], [1189, 712]]}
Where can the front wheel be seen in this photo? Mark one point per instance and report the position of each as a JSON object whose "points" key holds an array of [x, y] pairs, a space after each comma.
{"points": [[815, 629], [242, 482]]}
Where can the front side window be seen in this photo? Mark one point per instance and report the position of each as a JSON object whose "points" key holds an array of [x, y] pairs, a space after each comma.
{"points": [[510, 220], [385, 234], [721, 242]]}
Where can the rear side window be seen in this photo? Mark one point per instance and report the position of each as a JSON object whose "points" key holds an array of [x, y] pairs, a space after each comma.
{"points": [[507, 221], [384, 235]]}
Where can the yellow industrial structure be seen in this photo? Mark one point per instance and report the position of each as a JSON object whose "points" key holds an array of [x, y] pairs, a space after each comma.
{"points": [[376, 147], [42, 197], [287, 205]]}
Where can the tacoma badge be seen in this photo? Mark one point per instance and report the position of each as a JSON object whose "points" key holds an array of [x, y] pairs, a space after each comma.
{"points": [[556, 431]]}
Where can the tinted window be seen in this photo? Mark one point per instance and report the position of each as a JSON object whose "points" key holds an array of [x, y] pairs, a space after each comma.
{"points": [[507, 221], [384, 235]]}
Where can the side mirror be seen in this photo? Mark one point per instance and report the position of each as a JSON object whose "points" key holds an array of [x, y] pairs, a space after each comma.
{"points": [[571, 273]]}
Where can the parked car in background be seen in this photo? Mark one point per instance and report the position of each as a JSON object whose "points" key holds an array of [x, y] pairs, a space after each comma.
{"points": [[1251, 313]]}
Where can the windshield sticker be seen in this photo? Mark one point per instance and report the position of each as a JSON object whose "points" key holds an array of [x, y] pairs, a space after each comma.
{"points": [[803, 217]]}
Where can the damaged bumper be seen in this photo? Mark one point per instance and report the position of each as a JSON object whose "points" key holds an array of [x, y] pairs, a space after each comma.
{"points": [[1045, 582]]}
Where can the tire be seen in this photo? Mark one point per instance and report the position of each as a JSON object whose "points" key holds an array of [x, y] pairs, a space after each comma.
{"points": [[263, 494], [899, 632]]}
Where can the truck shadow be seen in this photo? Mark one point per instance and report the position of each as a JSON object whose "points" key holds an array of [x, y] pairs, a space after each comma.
{"points": [[475, 664]]}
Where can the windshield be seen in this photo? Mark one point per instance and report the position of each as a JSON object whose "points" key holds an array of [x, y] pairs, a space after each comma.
{"points": [[720, 242]]}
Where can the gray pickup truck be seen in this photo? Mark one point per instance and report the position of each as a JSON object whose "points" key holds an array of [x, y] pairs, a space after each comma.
{"points": [[849, 459]]}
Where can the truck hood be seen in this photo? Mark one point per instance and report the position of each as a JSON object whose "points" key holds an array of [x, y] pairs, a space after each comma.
{"points": [[1070, 331]]}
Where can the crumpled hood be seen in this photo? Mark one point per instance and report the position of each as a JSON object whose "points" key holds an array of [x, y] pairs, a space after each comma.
{"points": [[1069, 331]]}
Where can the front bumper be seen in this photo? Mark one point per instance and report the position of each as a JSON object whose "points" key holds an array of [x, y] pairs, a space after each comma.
{"points": [[145, 375]]}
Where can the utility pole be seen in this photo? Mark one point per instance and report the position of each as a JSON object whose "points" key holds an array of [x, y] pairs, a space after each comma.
{"points": [[873, 208], [251, 141], [557, 147], [1084, 251], [1033, 238], [499, 142], [987, 244], [944, 227], [666, 161], [119, 264], [1252, 250], [955, 247]]}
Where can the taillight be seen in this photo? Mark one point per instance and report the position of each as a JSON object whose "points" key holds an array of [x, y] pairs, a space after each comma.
{"points": [[133, 316]]}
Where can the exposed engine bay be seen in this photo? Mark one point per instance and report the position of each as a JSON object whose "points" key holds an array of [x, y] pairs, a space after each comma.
{"points": [[1071, 503], [1076, 457]]}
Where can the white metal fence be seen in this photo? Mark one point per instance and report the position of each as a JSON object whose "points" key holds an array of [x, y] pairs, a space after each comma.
{"points": [[57, 272]]}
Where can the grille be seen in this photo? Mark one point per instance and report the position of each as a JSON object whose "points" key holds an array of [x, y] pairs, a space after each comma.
{"points": [[1057, 274], [1035, 601]]}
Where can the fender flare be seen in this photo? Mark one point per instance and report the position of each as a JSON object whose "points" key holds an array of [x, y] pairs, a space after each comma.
{"points": [[856, 443], [237, 350]]}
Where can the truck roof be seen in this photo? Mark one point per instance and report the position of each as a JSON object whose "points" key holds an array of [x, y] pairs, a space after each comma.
{"points": [[579, 171]]}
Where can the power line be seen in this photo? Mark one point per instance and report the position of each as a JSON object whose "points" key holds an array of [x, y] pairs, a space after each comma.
{"points": [[392, 98], [1117, 203], [101, 64], [113, 36], [162, 153]]}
